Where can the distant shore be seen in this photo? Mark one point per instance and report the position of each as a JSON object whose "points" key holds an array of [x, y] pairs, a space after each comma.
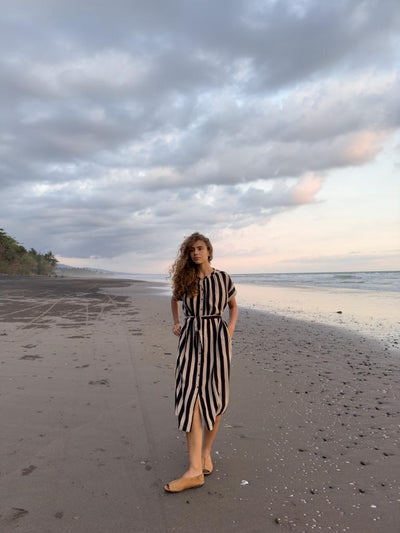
{"points": [[310, 441]]}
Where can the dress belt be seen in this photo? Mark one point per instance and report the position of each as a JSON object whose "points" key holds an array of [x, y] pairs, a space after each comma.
{"points": [[198, 318]]}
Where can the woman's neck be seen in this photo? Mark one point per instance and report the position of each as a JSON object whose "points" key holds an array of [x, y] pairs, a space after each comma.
{"points": [[204, 270]]}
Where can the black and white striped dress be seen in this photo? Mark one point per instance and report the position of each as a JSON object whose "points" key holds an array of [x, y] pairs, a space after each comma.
{"points": [[204, 352]]}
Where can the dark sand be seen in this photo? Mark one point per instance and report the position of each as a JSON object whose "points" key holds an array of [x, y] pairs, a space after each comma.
{"points": [[310, 441]]}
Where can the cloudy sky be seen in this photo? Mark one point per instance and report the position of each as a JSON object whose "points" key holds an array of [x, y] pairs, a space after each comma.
{"points": [[272, 126]]}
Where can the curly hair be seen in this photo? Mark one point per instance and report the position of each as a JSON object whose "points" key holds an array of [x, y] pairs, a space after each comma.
{"points": [[183, 271]]}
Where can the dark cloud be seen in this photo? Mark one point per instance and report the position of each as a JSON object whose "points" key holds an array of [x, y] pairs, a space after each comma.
{"points": [[123, 121]]}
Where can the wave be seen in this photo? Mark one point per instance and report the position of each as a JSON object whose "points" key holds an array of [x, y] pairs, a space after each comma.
{"points": [[371, 281]]}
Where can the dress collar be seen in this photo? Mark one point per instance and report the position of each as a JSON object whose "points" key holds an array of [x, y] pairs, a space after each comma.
{"points": [[208, 275]]}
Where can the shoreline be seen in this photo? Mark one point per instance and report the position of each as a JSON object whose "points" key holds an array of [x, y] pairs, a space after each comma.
{"points": [[278, 301], [369, 313], [310, 441]]}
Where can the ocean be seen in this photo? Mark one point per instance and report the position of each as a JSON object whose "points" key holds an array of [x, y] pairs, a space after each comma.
{"points": [[368, 281], [367, 303]]}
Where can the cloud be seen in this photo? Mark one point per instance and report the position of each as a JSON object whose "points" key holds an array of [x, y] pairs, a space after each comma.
{"points": [[305, 191], [124, 122]]}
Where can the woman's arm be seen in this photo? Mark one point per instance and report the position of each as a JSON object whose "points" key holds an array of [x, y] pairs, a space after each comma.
{"points": [[233, 314], [175, 315]]}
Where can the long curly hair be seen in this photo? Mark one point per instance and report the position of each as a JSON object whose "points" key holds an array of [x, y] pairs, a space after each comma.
{"points": [[183, 271]]}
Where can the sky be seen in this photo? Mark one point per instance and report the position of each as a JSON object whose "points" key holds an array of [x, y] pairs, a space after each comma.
{"points": [[271, 126]]}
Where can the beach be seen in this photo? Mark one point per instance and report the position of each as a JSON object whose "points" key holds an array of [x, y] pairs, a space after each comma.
{"points": [[310, 441], [367, 303]]}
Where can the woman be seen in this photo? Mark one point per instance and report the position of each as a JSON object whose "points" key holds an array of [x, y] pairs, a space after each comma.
{"points": [[204, 353]]}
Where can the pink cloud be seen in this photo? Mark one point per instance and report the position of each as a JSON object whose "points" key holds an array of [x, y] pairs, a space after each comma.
{"points": [[305, 191], [362, 147]]}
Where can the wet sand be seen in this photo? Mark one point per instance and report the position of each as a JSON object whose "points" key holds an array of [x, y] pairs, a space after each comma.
{"points": [[365, 312], [310, 441]]}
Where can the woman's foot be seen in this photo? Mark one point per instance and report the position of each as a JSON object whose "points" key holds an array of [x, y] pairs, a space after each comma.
{"points": [[184, 482], [207, 465]]}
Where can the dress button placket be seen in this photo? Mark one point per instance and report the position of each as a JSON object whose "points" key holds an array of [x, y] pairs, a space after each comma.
{"points": [[201, 314]]}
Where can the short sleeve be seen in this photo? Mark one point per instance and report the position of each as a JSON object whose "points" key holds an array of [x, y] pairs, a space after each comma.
{"points": [[231, 290]]}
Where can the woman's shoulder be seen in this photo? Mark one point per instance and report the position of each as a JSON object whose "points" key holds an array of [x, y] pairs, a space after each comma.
{"points": [[221, 273]]}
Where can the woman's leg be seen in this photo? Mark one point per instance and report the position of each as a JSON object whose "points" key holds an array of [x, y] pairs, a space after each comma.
{"points": [[194, 439], [193, 477], [209, 436]]}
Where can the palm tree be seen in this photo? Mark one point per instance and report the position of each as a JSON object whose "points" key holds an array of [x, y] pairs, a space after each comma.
{"points": [[50, 258]]}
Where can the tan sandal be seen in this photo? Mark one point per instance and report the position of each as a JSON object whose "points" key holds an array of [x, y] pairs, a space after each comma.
{"points": [[207, 466], [183, 483]]}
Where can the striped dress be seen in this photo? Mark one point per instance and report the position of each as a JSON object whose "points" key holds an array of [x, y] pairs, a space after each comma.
{"points": [[204, 352]]}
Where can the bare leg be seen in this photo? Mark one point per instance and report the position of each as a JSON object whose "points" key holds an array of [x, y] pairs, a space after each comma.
{"points": [[194, 439], [194, 476], [209, 436]]}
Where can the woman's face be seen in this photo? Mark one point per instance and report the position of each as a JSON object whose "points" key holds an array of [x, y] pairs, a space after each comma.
{"points": [[199, 253]]}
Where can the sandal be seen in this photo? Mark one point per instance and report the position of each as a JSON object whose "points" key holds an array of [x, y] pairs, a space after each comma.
{"points": [[183, 483]]}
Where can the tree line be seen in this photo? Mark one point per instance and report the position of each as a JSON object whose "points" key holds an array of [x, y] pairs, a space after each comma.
{"points": [[15, 259]]}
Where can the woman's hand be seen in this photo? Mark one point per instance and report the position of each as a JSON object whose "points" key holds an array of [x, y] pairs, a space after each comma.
{"points": [[177, 329], [233, 313]]}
